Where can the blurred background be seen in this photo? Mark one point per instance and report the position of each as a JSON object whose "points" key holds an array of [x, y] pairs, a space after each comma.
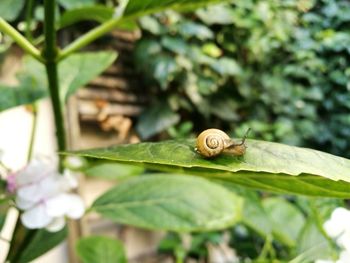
{"points": [[280, 68]]}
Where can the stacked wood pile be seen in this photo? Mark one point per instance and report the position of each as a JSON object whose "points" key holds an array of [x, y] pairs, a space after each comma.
{"points": [[114, 99]]}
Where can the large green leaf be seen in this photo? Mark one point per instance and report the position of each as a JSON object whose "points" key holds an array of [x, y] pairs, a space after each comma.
{"points": [[78, 69], [41, 242], [142, 7], [98, 13], [69, 4], [254, 215], [74, 72], [156, 119], [266, 165], [287, 220], [3, 213], [108, 170], [100, 249], [10, 9], [312, 245], [170, 202], [15, 96]]}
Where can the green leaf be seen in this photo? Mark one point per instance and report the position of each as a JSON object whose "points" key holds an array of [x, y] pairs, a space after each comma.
{"points": [[287, 220], [10, 9], [74, 72], [16, 96], [312, 245], [42, 242], [109, 170], [191, 29], [3, 213], [216, 14], [226, 66], [170, 202], [265, 165], [142, 7], [68, 4], [254, 215], [78, 69], [156, 119], [98, 13], [100, 249]]}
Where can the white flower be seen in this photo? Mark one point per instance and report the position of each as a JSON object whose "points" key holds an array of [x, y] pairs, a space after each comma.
{"points": [[338, 227], [43, 195]]}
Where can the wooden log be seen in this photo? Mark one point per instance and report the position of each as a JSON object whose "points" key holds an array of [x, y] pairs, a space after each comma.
{"points": [[89, 110], [113, 95]]}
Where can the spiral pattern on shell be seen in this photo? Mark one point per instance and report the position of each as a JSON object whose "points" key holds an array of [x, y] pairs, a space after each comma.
{"points": [[211, 142], [214, 141]]}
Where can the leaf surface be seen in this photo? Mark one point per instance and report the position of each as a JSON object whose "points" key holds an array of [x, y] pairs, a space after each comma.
{"points": [[73, 73], [268, 166], [170, 202], [98, 13], [143, 7], [100, 249], [42, 242], [10, 9]]}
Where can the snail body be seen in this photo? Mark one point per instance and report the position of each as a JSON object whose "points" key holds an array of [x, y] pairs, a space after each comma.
{"points": [[213, 142]]}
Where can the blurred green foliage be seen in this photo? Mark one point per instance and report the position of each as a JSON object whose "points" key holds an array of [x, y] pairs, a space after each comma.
{"points": [[279, 67]]}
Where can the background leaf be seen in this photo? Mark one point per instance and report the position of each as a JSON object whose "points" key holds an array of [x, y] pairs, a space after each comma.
{"points": [[108, 170], [42, 242], [16, 96], [170, 202], [311, 244], [10, 9], [79, 69], [98, 13], [156, 119], [74, 72], [287, 220], [68, 4], [3, 213], [142, 7], [100, 249], [268, 166]]}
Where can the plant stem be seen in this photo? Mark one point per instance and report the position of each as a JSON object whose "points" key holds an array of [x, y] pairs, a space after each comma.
{"points": [[32, 132], [50, 55], [89, 37], [20, 40], [29, 11]]}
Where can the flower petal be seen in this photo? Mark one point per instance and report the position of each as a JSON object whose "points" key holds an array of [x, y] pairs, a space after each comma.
{"points": [[76, 207], [24, 204], [34, 172], [57, 206], [36, 217], [31, 192], [65, 204], [56, 225]]}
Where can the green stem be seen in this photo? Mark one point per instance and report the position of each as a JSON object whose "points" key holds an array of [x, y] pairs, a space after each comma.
{"points": [[22, 237], [20, 40], [32, 132], [29, 12], [50, 55], [89, 37], [267, 250]]}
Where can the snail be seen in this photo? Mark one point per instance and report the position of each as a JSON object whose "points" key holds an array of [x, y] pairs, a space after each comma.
{"points": [[213, 142]]}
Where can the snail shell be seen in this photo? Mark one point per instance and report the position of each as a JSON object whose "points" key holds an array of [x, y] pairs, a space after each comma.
{"points": [[212, 142]]}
